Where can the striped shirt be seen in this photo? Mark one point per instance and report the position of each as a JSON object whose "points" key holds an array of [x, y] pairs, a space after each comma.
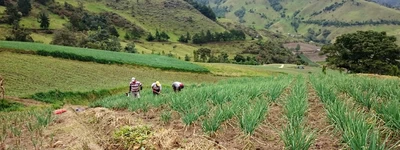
{"points": [[135, 86]]}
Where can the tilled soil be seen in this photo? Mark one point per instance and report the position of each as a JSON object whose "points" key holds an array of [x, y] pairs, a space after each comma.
{"points": [[317, 120], [93, 128]]}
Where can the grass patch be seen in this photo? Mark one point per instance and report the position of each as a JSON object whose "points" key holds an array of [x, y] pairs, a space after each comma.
{"points": [[26, 75], [310, 63], [7, 106], [155, 61], [30, 22], [59, 98], [234, 70], [41, 38]]}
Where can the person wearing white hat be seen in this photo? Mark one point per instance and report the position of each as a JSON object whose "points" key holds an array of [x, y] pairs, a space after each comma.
{"points": [[134, 88], [156, 86]]}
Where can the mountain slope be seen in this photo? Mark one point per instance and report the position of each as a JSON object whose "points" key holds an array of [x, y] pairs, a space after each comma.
{"points": [[289, 16], [389, 3], [175, 17]]}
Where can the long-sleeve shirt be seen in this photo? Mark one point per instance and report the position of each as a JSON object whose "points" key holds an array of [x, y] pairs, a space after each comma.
{"points": [[155, 87], [177, 84]]}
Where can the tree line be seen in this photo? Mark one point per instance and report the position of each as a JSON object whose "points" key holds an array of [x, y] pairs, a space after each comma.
{"points": [[332, 7], [203, 9], [207, 37], [356, 23], [161, 37], [258, 53]]}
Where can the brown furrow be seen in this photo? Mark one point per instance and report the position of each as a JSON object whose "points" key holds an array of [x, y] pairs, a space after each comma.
{"points": [[316, 117]]}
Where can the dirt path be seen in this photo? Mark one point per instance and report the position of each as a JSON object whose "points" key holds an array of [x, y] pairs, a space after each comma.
{"points": [[26, 102], [317, 120], [267, 135], [69, 131]]}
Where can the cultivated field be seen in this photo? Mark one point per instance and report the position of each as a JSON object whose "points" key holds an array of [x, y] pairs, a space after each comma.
{"points": [[313, 111], [308, 50], [155, 61], [276, 106]]}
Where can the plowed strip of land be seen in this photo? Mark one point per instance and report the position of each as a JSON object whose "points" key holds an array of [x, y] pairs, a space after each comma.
{"points": [[26, 102], [317, 120], [268, 134]]}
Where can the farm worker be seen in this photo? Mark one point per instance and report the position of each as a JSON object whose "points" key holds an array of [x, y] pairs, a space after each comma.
{"points": [[177, 86], [2, 90], [156, 88], [134, 88]]}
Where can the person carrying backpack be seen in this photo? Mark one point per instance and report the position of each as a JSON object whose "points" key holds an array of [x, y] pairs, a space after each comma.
{"points": [[156, 88], [134, 88]]}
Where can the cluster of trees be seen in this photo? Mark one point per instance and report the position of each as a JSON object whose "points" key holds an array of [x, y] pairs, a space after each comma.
{"points": [[312, 36], [356, 23], [97, 39], [206, 55], [13, 14], [205, 10], [270, 52], [332, 7], [133, 34], [275, 4], [15, 11], [220, 11], [365, 52], [201, 38], [161, 37], [261, 53], [185, 39], [240, 59], [101, 33], [295, 24], [240, 13], [19, 34]]}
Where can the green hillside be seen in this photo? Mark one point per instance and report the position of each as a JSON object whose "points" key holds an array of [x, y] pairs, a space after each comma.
{"points": [[174, 17], [289, 16], [147, 27]]}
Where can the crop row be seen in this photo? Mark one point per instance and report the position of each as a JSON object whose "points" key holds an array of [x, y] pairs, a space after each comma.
{"points": [[244, 98], [381, 95], [358, 130], [17, 129], [295, 135]]}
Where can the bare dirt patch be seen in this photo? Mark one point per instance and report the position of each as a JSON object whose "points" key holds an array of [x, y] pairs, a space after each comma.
{"points": [[270, 130], [317, 120], [267, 135], [69, 131], [310, 51], [26, 102]]}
